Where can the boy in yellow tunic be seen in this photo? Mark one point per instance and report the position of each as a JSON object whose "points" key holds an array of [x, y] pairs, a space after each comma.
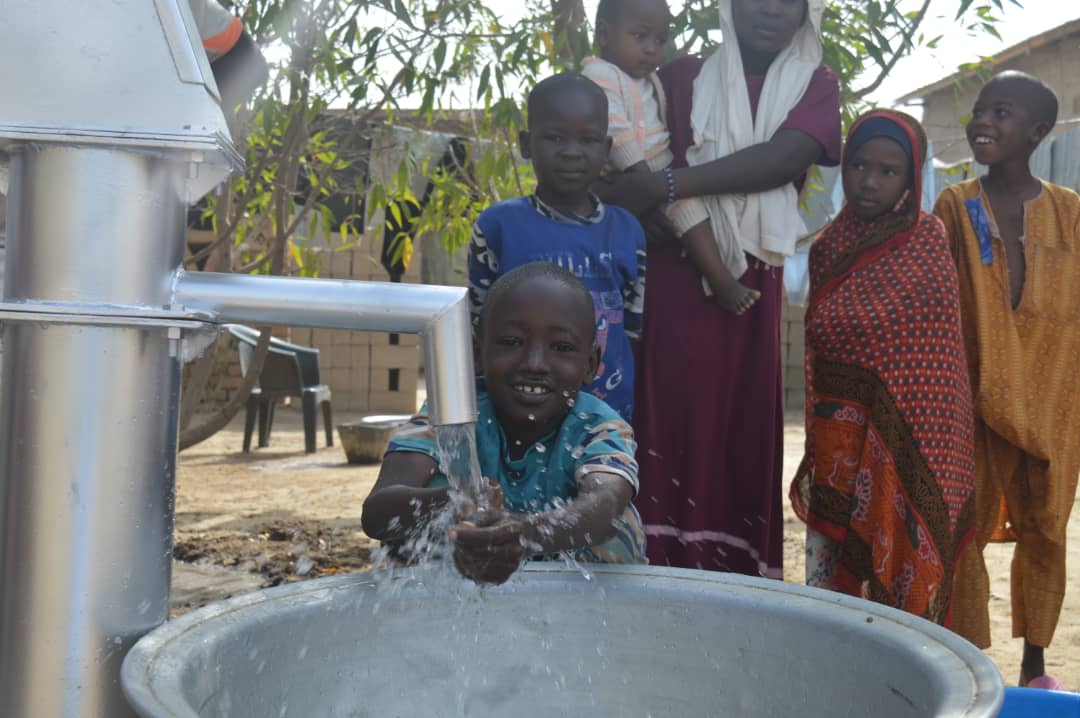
{"points": [[1016, 241]]}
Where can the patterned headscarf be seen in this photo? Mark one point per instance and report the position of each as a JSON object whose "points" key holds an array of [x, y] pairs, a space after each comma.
{"points": [[903, 218]]}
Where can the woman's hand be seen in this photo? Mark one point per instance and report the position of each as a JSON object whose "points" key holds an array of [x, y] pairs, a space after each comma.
{"points": [[636, 192]]}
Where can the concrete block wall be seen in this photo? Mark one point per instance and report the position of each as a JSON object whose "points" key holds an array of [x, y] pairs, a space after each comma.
{"points": [[368, 372], [792, 358], [371, 372]]}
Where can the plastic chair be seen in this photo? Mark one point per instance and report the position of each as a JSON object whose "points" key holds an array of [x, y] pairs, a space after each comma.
{"points": [[290, 370]]}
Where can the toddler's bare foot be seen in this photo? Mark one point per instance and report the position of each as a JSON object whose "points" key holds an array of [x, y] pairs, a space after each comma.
{"points": [[733, 296]]}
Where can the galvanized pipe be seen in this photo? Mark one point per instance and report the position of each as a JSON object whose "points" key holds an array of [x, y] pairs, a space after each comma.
{"points": [[88, 426], [93, 306], [109, 142], [439, 314]]}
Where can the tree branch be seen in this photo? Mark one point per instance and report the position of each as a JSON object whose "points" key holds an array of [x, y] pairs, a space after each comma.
{"points": [[900, 52]]}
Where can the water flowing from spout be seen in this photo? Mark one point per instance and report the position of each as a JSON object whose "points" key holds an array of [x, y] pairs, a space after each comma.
{"points": [[460, 464]]}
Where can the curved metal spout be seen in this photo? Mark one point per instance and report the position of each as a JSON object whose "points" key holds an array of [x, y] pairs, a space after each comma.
{"points": [[439, 314]]}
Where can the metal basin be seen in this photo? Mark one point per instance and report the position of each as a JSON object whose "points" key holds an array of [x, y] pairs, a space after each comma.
{"points": [[629, 641]]}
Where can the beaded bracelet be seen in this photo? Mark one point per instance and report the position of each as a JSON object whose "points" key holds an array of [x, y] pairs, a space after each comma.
{"points": [[670, 177]]}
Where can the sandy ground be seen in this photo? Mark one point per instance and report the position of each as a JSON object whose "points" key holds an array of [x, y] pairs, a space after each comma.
{"points": [[277, 515]]}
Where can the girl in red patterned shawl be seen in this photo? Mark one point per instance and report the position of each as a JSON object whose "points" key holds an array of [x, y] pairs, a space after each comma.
{"points": [[886, 485]]}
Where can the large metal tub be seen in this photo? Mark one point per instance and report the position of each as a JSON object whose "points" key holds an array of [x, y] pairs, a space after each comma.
{"points": [[630, 641]]}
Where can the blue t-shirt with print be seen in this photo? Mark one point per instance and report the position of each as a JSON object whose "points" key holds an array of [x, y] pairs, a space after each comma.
{"points": [[605, 250]]}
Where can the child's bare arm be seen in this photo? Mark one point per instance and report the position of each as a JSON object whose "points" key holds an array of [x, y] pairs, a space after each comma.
{"points": [[703, 253], [588, 519], [399, 503]]}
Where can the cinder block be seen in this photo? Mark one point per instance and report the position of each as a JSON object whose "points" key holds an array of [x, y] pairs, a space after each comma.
{"points": [[322, 339], [353, 394], [363, 338], [300, 335], [395, 357], [359, 380], [794, 400], [393, 339], [366, 267], [392, 402], [361, 357], [794, 377], [341, 264], [402, 380], [795, 355], [363, 265], [336, 377], [339, 357], [796, 333], [409, 382]]}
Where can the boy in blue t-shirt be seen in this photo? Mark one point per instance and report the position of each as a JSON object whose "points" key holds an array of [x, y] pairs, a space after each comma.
{"points": [[565, 224], [563, 460]]}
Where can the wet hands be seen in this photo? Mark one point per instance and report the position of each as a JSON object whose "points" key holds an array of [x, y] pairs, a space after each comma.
{"points": [[490, 543]]}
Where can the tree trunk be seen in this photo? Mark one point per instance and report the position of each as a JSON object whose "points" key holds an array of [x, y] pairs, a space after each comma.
{"points": [[281, 208]]}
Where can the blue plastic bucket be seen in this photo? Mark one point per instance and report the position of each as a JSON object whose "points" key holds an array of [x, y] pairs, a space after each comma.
{"points": [[1039, 703]]}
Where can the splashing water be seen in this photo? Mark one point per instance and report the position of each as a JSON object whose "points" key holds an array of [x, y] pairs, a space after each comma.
{"points": [[460, 465]]}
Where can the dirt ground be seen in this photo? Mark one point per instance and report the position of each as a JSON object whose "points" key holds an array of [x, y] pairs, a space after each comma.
{"points": [[246, 521]]}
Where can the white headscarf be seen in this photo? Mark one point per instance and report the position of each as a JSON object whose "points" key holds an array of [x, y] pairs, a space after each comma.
{"points": [[765, 224]]}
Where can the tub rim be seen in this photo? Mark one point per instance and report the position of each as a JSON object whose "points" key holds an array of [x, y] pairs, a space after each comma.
{"points": [[148, 693]]}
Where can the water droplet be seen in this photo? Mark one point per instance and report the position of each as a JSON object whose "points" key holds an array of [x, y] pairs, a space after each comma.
{"points": [[304, 566]]}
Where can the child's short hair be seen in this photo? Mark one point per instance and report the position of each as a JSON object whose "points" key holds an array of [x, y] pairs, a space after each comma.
{"points": [[540, 270], [608, 10], [1040, 99], [545, 91]]}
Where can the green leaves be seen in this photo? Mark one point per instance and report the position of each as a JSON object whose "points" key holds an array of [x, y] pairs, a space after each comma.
{"points": [[439, 64]]}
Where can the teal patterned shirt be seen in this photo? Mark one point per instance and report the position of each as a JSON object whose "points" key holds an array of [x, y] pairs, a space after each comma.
{"points": [[592, 437]]}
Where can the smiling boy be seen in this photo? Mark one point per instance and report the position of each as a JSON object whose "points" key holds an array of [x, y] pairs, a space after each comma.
{"points": [[563, 460], [1016, 241], [563, 223]]}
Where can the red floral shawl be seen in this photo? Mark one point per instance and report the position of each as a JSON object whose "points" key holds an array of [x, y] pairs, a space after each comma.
{"points": [[889, 469]]}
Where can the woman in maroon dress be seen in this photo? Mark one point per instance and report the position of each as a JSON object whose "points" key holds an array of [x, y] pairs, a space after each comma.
{"points": [[708, 414]]}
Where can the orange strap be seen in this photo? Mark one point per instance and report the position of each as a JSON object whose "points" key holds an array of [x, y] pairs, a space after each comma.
{"points": [[224, 41]]}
